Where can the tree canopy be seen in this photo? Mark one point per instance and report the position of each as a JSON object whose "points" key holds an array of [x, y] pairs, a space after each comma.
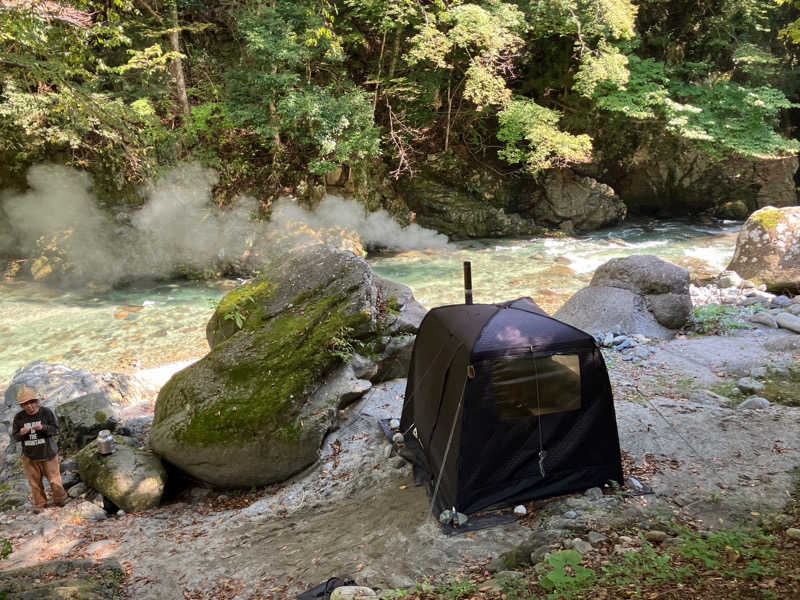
{"points": [[268, 91]]}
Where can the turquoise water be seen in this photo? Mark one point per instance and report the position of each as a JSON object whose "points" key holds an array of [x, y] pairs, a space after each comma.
{"points": [[150, 325], [551, 269]]}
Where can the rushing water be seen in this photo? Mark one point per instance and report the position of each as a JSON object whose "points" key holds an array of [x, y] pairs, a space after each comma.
{"points": [[552, 269], [147, 326]]}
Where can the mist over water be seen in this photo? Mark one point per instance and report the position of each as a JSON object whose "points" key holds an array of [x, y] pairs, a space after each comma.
{"points": [[179, 226], [374, 229]]}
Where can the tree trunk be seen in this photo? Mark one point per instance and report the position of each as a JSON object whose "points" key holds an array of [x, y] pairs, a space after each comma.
{"points": [[177, 62]]}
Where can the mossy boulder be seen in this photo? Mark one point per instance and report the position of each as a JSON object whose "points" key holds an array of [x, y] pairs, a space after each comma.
{"points": [[249, 413], [768, 249], [131, 478]]}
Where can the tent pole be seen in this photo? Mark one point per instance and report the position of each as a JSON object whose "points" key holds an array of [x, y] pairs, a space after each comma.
{"points": [[467, 282]]}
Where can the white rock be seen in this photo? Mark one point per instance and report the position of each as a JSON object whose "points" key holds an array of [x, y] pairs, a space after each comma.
{"points": [[352, 592], [520, 510]]}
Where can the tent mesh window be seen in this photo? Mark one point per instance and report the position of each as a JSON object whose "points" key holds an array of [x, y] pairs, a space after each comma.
{"points": [[535, 386]]}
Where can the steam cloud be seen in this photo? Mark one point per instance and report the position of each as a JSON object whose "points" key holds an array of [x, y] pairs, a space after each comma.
{"points": [[178, 226]]}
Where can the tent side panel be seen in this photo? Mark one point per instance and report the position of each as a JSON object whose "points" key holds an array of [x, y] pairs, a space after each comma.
{"points": [[500, 457]]}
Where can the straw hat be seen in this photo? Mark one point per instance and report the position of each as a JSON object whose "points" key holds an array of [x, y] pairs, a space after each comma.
{"points": [[26, 394]]}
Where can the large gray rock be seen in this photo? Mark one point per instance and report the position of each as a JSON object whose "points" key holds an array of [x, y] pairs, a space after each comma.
{"points": [[578, 203], [663, 285], [768, 248], [58, 384], [132, 479], [255, 410], [80, 420], [600, 308]]}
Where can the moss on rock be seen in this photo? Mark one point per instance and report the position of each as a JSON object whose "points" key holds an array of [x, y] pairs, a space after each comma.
{"points": [[247, 414], [768, 218]]}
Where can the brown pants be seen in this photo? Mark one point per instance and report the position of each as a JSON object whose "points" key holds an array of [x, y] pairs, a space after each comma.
{"points": [[34, 470]]}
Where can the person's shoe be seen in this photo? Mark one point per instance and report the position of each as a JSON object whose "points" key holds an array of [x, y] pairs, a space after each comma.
{"points": [[62, 503]]}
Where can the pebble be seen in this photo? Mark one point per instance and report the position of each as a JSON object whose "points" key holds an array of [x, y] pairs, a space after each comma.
{"points": [[520, 510], [571, 514], [793, 533], [595, 537], [594, 493], [580, 545], [656, 536]]}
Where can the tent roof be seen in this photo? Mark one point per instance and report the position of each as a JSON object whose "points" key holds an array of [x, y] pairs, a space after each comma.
{"points": [[496, 328]]}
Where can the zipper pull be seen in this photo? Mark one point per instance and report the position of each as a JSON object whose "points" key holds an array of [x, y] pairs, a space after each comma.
{"points": [[542, 456]]}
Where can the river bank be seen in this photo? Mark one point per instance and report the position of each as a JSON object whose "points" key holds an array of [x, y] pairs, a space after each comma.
{"points": [[358, 512]]}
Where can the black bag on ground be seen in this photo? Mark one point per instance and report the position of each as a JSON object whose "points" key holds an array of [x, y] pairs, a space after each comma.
{"points": [[324, 590]]}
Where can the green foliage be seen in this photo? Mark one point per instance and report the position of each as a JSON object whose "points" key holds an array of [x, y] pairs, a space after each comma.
{"points": [[565, 574], [531, 137], [721, 550], [237, 312], [645, 567], [5, 549], [338, 127], [717, 319]]}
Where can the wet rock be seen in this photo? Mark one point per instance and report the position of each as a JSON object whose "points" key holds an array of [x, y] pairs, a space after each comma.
{"points": [[781, 301], [754, 403]]}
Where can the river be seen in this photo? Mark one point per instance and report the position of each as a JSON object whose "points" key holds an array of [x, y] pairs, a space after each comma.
{"points": [[150, 325]]}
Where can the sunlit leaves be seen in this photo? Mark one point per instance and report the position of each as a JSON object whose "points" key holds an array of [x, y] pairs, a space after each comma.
{"points": [[532, 137], [608, 65]]}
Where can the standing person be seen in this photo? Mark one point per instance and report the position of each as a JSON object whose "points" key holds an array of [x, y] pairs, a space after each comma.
{"points": [[36, 427]]}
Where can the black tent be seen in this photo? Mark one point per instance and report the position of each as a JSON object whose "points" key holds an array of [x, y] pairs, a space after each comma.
{"points": [[505, 404]]}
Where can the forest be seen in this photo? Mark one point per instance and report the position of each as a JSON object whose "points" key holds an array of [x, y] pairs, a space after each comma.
{"points": [[277, 95]]}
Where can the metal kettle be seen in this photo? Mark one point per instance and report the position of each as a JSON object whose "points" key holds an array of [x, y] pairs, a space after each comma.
{"points": [[105, 442]]}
